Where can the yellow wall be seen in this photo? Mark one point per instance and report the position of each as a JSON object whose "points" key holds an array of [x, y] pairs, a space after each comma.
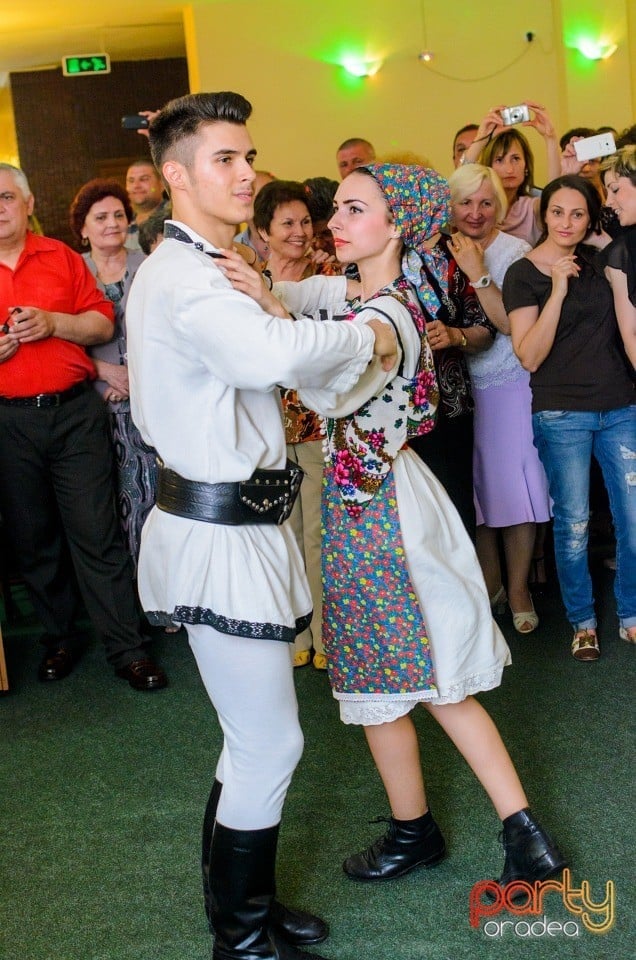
{"points": [[284, 56], [8, 142]]}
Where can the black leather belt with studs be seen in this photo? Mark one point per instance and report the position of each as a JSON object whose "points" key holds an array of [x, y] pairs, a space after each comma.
{"points": [[267, 497]]}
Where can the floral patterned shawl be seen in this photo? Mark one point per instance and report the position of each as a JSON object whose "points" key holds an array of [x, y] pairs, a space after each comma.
{"points": [[363, 445]]}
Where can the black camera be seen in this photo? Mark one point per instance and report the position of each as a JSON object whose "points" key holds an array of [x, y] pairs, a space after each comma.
{"points": [[134, 122]]}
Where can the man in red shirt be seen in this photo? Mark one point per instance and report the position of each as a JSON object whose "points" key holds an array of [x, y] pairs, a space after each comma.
{"points": [[56, 494]]}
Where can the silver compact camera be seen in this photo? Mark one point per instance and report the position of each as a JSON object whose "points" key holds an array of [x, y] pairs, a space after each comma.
{"points": [[512, 115]]}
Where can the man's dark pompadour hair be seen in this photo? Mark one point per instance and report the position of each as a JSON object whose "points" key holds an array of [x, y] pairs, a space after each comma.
{"points": [[181, 118]]}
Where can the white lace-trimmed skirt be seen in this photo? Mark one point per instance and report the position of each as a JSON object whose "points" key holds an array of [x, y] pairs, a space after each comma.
{"points": [[468, 650]]}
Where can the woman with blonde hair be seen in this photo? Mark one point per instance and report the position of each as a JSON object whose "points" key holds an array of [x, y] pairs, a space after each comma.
{"points": [[511, 488]]}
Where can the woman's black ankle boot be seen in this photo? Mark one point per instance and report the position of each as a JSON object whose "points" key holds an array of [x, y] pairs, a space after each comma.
{"points": [[405, 845], [530, 853]]}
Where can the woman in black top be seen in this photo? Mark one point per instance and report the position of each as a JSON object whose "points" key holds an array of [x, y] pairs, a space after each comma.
{"points": [[619, 177], [564, 331]]}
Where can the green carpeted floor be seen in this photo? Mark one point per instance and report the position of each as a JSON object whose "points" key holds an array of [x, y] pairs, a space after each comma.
{"points": [[102, 792]]}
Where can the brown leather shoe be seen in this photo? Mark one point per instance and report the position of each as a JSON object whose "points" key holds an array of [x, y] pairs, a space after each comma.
{"points": [[143, 674], [56, 664]]}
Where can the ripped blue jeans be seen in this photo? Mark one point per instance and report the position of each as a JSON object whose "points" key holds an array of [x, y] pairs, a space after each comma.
{"points": [[566, 441]]}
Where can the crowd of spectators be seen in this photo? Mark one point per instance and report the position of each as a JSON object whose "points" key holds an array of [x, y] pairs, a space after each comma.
{"points": [[500, 476], [486, 355]]}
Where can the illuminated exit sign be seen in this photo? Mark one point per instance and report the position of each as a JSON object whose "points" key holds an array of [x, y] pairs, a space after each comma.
{"points": [[86, 64]]}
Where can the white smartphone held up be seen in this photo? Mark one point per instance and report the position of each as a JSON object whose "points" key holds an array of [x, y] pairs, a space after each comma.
{"points": [[591, 148]]}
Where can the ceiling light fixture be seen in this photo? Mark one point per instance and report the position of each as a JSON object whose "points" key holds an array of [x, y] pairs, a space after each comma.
{"points": [[596, 49], [361, 68]]}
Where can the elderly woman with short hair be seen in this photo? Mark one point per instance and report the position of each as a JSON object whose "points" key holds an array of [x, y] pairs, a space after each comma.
{"points": [[511, 489]]}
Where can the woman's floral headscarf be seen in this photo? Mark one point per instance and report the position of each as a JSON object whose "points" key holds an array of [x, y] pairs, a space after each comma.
{"points": [[419, 201]]}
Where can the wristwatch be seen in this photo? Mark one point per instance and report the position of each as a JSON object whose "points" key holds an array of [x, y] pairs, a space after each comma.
{"points": [[463, 342], [484, 281]]}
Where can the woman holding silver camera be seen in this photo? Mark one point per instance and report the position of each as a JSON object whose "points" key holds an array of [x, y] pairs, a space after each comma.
{"points": [[501, 145]]}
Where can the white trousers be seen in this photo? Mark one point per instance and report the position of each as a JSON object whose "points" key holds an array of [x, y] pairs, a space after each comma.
{"points": [[251, 686]]}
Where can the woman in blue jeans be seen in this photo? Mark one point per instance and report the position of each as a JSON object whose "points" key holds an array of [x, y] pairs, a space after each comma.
{"points": [[565, 332]]}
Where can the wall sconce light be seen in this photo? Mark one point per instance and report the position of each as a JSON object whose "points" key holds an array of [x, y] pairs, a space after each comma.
{"points": [[596, 49], [361, 68], [425, 56]]}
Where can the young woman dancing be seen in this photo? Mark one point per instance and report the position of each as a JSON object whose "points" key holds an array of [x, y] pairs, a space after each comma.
{"points": [[406, 615]]}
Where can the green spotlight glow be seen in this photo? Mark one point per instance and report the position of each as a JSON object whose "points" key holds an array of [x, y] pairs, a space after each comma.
{"points": [[357, 61], [590, 49], [596, 49], [584, 31], [361, 68]]}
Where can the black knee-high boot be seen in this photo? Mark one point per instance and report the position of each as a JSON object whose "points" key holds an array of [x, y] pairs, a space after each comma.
{"points": [[209, 819], [242, 884], [297, 927]]}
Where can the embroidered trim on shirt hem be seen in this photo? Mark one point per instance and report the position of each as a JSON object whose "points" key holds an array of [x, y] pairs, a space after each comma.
{"points": [[238, 628]]}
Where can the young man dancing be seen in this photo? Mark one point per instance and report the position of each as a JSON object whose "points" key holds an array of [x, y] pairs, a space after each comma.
{"points": [[217, 554]]}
